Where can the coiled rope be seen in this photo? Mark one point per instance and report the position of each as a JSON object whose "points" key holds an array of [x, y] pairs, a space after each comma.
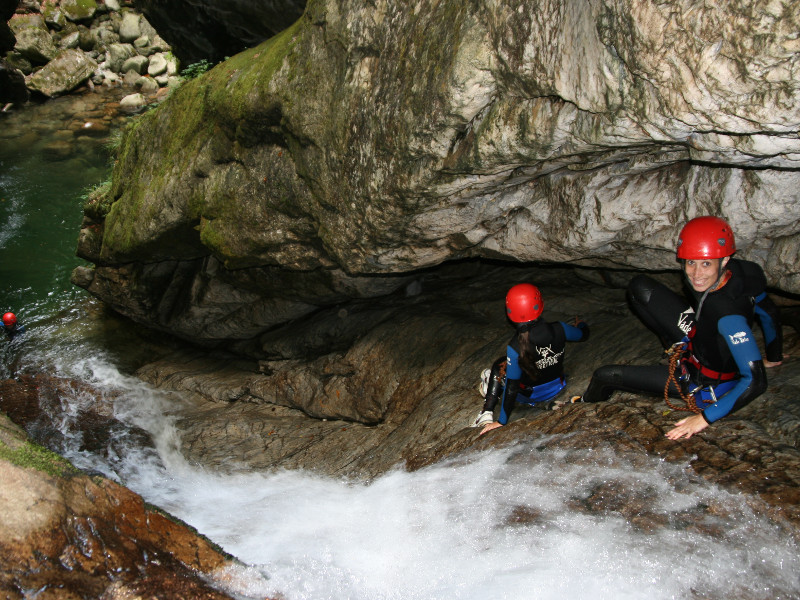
{"points": [[675, 353]]}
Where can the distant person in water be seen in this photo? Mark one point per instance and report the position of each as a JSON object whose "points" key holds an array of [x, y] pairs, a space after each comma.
{"points": [[716, 366], [11, 327], [532, 371]]}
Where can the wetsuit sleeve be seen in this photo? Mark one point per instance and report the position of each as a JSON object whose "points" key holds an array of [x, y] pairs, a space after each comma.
{"points": [[579, 333], [752, 374], [768, 316], [511, 387]]}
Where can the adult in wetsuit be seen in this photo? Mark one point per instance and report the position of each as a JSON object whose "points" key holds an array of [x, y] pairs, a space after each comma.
{"points": [[533, 369], [11, 327], [722, 369]]}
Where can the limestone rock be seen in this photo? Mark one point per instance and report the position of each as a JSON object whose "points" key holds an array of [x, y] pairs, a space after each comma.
{"points": [[54, 17], [87, 535], [79, 10], [137, 63], [157, 65], [524, 131], [63, 74], [117, 54], [71, 40], [410, 366], [129, 28], [33, 38], [132, 102]]}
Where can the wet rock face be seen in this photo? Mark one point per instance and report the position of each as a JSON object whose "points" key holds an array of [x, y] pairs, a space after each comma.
{"points": [[202, 29], [69, 535], [402, 390], [371, 139]]}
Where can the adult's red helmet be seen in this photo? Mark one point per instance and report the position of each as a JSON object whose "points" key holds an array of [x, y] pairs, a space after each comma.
{"points": [[706, 237], [524, 303], [9, 319]]}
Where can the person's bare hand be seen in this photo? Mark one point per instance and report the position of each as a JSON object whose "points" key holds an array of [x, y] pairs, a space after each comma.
{"points": [[686, 428], [489, 427]]}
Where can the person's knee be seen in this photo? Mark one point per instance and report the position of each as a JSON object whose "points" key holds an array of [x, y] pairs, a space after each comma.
{"points": [[640, 289], [608, 375]]}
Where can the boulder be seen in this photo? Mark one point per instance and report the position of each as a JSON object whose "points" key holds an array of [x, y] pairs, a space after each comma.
{"points": [[88, 41], [157, 65], [15, 61], [136, 63], [79, 11], [33, 39], [71, 40], [129, 29], [142, 44], [54, 17], [117, 54], [132, 102], [569, 132], [62, 74]]}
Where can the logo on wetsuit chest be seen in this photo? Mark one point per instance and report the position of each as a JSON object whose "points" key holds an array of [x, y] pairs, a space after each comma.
{"points": [[686, 320], [739, 338], [548, 357]]}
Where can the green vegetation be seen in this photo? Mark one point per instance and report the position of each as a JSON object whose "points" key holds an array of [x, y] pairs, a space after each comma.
{"points": [[33, 456], [196, 69], [97, 200]]}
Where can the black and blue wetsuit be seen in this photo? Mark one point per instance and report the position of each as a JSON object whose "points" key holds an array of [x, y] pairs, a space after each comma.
{"points": [[544, 379], [723, 367], [14, 331], [767, 313]]}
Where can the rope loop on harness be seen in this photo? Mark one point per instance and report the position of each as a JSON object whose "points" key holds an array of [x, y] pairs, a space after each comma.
{"points": [[675, 354]]}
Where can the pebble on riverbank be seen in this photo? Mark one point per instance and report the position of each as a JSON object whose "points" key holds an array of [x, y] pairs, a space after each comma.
{"points": [[62, 44]]}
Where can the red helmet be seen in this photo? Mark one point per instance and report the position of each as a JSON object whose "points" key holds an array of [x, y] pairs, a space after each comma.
{"points": [[9, 319], [706, 237], [524, 303]]}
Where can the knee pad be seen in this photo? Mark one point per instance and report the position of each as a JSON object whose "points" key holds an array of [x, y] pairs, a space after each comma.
{"points": [[609, 374], [640, 289]]}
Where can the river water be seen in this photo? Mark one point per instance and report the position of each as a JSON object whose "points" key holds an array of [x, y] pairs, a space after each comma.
{"points": [[498, 524]]}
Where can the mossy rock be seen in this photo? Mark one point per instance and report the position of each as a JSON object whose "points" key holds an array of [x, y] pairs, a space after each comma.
{"points": [[79, 10], [18, 450]]}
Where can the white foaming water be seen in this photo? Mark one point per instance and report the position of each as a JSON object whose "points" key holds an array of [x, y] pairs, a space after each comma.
{"points": [[499, 524], [12, 217]]}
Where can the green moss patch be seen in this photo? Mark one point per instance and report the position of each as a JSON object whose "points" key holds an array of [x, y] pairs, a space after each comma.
{"points": [[32, 456]]}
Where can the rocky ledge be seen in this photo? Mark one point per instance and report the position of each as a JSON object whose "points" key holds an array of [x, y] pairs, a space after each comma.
{"points": [[395, 385], [69, 535]]}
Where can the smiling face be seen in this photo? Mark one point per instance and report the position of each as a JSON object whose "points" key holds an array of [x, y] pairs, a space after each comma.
{"points": [[703, 273]]}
